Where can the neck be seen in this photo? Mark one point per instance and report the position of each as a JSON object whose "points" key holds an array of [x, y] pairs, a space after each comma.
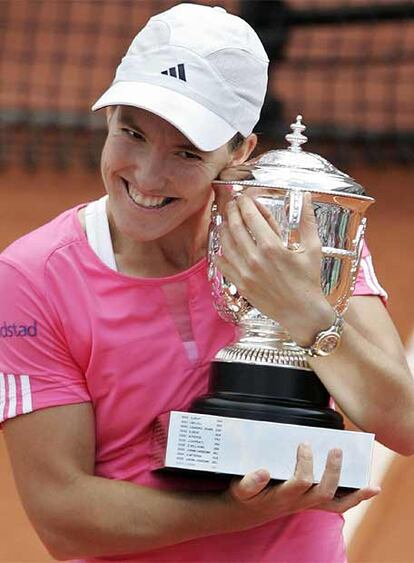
{"points": [[167, 256]]}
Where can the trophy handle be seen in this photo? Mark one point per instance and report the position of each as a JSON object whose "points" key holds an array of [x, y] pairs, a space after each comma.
{"points": [[293, 204], [354, 256]]}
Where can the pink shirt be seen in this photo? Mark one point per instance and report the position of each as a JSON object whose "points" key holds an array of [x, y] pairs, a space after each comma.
{"points": [[73, 330]]}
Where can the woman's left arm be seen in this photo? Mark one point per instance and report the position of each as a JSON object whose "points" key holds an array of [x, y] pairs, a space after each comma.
{"points": [[367, 375]]}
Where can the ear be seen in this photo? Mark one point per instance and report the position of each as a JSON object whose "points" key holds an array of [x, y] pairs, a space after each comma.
{"points": [[242, 153]]}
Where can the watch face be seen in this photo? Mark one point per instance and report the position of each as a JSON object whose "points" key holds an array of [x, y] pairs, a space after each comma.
{"points": [[327, 344]]}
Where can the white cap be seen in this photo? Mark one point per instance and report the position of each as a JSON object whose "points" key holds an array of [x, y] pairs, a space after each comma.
{"points": [[200, 68]]}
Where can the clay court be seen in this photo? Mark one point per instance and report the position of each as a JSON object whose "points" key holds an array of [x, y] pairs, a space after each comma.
{"points": [[32, 194]]}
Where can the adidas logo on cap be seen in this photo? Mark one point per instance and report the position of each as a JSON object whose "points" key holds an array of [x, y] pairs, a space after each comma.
{"points": [[174, 70]]}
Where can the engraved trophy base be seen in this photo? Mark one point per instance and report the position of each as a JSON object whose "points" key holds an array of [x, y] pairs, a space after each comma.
{"points": [[222, 447], [255, 417]]}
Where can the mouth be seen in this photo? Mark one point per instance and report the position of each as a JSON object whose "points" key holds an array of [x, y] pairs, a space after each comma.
{"points": [[147, 202]]}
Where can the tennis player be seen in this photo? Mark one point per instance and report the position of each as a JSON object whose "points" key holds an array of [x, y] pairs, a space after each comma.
{"points": [[106, 322]]}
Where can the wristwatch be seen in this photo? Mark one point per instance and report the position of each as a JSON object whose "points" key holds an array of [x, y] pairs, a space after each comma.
{"points": [[328, 340]]}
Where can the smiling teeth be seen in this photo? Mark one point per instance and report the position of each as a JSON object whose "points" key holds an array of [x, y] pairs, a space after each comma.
{"points": [[146, 201]]}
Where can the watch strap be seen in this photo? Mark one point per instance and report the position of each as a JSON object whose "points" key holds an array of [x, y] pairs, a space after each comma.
{"points": [[328, 340]]}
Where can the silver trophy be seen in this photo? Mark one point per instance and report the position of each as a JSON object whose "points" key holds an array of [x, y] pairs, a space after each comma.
{"points": [[265, 375], [262, 391]]}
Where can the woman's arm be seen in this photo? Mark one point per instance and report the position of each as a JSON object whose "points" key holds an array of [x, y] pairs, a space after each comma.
{"points": [[368, 375], [77, 514]]}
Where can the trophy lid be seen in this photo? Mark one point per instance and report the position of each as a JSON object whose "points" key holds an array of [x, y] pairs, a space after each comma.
{"points": [[292, 168]]}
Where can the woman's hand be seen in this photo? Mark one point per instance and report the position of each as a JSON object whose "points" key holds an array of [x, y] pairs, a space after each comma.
{"points": [[282, 284], [255, 501]]}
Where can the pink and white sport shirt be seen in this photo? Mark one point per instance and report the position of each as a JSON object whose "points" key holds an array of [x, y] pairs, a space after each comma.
{"points": [[72, 329]]}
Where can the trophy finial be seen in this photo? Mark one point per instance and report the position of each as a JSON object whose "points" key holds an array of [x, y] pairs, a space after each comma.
{"points": [[296, 139]]}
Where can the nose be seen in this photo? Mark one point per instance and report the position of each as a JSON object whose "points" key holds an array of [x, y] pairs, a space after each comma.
{"points": [[150, 174]]}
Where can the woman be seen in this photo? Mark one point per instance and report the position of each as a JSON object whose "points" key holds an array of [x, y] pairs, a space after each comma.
{"points": [[114, 324]]}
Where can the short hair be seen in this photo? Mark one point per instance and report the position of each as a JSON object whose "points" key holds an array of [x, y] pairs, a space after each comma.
{"points": [[236, 141]]}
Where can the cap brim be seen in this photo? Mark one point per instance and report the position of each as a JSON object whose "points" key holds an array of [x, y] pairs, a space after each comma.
{"points": [[204, 128]]}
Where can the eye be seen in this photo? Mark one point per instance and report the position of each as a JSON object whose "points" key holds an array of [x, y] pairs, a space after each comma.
{"points": [[132, 133], [188, 155]]}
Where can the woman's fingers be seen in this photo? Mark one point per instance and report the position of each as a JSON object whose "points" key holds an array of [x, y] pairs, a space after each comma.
{"points": [[257, 223], [251, 221], [330, 478], [350, 500], [304, 466], [253, 498], [325, 490], [253, 226], [250, 485], [303, 479], [268, 216], [240, 233]]}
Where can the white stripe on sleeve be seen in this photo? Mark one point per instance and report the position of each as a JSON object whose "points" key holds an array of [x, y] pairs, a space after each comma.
{"points": [[26, 394], [2, 396], [12, 395]]}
